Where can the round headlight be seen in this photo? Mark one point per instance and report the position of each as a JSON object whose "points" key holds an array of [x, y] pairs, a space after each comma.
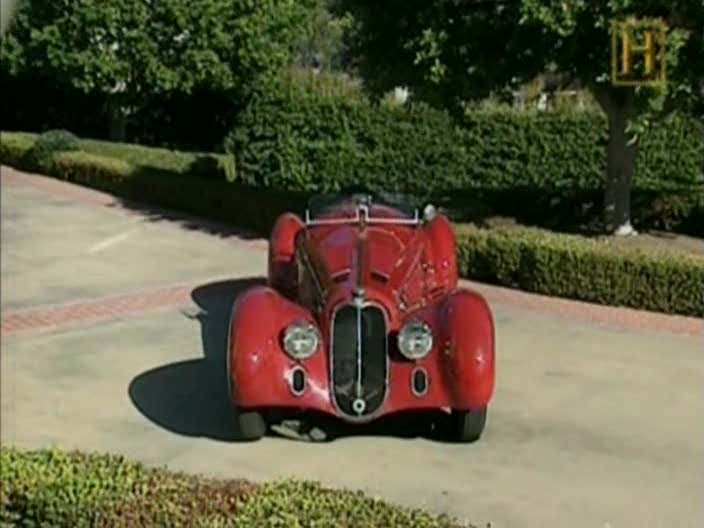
{"points": [[301, 340], [415, 340]]}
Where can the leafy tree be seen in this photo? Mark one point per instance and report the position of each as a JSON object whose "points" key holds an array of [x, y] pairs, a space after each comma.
{"points": [[453, 51], [321, 41], [134, 50]]}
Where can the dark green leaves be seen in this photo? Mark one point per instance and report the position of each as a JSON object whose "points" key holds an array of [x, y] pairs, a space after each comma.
{"points": [[135, 49]]}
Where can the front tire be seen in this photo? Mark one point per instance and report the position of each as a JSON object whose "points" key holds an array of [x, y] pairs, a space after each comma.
{"points": [[251, 425], [467, 426]]}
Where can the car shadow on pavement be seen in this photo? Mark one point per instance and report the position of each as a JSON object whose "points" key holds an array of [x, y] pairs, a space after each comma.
{"points": [[190, 397], [155, 213]]}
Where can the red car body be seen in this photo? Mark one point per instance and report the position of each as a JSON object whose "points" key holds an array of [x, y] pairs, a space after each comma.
{"points": [[358, 272]]}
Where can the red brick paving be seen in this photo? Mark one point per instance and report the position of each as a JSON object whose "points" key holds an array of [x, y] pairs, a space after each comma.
{"points": [[94, 310], [42, 317]]}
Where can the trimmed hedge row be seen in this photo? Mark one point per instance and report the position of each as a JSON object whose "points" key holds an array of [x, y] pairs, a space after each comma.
{"points": [[595, 270], [547, 168], [16, 149], [54, 488], [602, 271]]}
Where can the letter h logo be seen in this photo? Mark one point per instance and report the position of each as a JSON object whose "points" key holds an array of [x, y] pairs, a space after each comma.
{"points": [[638, 38]]}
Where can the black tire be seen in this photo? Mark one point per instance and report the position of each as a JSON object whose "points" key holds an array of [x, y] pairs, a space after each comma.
{"points": [[251, 425], [467, 426]]}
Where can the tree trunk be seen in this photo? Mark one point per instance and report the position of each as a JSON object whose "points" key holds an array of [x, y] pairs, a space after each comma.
{"points": [[620, 164], [118, 122]]}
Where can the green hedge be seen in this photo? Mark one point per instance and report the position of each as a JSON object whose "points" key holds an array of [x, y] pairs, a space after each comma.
{"points": [[54, 488], [542, 167], [16, 148], [602, 271], [596, 270]]}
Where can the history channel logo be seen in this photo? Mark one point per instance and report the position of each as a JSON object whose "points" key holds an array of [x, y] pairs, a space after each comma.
{"points": [[638, 52]]}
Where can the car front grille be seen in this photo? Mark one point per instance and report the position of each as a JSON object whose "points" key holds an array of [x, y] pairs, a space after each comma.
{"points": [[359, 359]]}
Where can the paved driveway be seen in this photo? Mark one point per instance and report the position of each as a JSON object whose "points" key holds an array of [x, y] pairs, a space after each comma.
{"points": [[113, 339]]}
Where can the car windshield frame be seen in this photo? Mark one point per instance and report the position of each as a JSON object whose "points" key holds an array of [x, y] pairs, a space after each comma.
{"points": [[320, 206]]}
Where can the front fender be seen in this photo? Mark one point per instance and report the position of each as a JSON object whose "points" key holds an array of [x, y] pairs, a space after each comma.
{"points": [[444, 251], [258, 368], [469, 349], [282, 272]]}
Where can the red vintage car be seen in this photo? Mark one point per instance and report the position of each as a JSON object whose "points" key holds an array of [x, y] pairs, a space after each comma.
{"points": [[362, 317]]}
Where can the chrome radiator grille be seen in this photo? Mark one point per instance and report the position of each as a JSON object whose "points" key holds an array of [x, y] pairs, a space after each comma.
{"points": [[359, 359]]}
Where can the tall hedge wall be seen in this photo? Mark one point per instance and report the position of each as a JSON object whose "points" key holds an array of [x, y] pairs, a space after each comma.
{"points": [[539, 166]]}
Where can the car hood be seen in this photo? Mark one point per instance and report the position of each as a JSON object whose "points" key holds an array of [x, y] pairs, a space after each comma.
{"points": [[374, 258]]}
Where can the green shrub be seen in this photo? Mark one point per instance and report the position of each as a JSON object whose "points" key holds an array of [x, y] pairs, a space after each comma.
{"points": [[297, 503], [541, 167], [201, 164], [91, 169], [54, 488], [15, 148], [595, 270], [303, 139], [49, 143], [19, 149]]}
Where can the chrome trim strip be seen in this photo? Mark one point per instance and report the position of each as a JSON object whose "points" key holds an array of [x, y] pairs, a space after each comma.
{"points": [[362, 217], [358, 390], [360, 305]]}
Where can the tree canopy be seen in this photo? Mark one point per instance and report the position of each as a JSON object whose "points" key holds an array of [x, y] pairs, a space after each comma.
{"points": [[134, 49], [452, 51]]}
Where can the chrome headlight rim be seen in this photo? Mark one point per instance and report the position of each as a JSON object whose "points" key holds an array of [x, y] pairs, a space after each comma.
{"points": [[419, 328], [300, 330]]}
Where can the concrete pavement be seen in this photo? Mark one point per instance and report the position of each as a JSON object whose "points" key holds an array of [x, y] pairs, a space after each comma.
{"points": [[592, 425]]}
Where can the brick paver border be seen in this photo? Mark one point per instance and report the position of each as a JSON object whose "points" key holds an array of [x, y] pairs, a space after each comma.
{"points": [[169, 297], [101, 309]]}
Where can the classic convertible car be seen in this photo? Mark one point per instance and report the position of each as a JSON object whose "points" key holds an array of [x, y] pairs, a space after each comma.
{"points": [[362, 317]]}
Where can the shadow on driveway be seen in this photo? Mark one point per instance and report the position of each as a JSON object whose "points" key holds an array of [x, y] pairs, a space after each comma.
{"points": [[190, 397]]}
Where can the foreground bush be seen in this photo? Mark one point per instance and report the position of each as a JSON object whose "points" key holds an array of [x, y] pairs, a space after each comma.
{"points": [[548, 168], [601, 271], [54, 488]]}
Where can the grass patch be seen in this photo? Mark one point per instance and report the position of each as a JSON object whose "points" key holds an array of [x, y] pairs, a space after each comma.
{"points": [[56, 488]]}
